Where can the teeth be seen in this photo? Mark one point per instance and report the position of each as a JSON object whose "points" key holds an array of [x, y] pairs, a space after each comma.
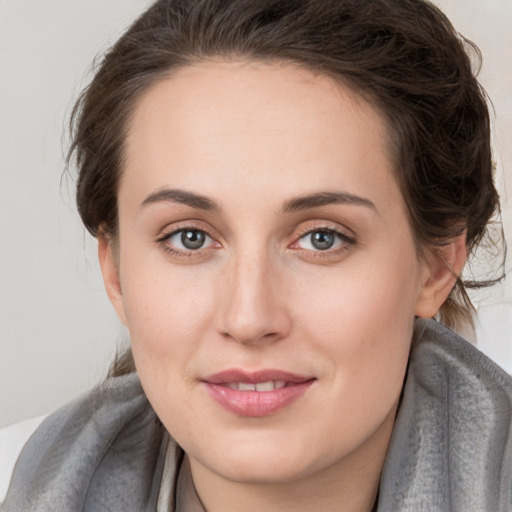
{"points": [[242, 386], [261, 386], [265, 386]]}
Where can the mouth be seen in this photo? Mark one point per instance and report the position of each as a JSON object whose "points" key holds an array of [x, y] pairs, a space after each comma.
{"points": [[260, 386], [256, 394]]}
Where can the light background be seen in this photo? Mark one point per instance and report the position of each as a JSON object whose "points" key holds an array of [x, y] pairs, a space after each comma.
{"points": [[58, 332]]}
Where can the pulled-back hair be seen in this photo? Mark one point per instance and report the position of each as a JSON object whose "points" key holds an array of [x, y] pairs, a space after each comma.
{"points": [[402, 56]]}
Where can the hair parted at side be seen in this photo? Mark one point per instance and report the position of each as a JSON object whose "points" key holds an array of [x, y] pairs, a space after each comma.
{"points": [[402, 56]]}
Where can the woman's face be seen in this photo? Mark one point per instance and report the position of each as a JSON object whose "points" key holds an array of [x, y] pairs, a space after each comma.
{"points": [[267, 271]]}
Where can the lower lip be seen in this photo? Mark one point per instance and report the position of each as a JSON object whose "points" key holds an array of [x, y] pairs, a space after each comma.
{"points": [[257, 403]]}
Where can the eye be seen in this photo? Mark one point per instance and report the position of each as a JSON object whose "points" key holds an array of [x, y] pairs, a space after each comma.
{"points": [[188, 240], [322, 240]]}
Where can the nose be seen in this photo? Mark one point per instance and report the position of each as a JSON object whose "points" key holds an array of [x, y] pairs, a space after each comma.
{"points": [[253, 308]]}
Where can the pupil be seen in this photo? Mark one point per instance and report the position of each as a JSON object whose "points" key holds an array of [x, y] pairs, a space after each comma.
{"points": [[192, 239], [322, 240]]}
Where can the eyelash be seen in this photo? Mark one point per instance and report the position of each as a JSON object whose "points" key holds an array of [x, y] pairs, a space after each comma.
{"points": [[346, 242], [163, 242]]}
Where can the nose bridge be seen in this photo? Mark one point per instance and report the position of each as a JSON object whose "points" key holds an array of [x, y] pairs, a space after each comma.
{"points": [[253, 310]]}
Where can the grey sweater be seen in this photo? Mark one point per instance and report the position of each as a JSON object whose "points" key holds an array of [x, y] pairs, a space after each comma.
{"points": [[450, 450]]}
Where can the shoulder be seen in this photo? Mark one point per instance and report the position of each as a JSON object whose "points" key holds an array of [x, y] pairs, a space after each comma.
{"points": [[439, 355], [109, 439], [12, 439], [452, 440]]}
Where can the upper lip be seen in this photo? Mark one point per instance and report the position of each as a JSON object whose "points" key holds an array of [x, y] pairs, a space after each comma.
{"points": [[255, 377]]}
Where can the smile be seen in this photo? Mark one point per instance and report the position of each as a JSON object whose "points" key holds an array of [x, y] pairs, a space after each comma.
{"points": [[256, 394], [260, 386]]}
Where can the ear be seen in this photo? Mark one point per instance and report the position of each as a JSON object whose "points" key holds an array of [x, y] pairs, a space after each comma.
{"points": [[440, 274], [110, 270]]}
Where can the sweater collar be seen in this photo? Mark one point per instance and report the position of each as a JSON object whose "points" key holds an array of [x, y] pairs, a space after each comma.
{"points": [[451, 446]]}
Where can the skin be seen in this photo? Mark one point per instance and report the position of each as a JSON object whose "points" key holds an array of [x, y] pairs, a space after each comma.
{"points": [[252, 137]]}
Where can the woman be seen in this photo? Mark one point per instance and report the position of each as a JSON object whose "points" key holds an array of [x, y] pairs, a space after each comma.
{"points": [[284, 195]]}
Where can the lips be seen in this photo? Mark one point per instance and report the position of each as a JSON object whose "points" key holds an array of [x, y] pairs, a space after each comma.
{"points": [[260, 386], [256, 394]]}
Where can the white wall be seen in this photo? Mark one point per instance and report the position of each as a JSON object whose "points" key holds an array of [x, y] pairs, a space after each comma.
{"points": [[57, 330]]}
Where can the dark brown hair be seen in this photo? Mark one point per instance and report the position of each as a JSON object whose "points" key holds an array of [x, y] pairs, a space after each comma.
{"points": [[403, 56]]}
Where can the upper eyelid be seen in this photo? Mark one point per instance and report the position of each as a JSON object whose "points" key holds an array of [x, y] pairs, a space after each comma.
{"points": [[172, 232], [341, 231], [164, 238], [346, 242], [176, 227], [329, 226], [341, 235]]}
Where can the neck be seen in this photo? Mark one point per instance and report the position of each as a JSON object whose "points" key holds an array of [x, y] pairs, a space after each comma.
{"points": [[350, 485]]}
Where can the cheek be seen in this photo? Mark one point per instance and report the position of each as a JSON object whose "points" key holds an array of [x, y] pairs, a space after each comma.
{"points": [[162, 301], [168, 312], [362, 320], [167, 319], [360, 300]]}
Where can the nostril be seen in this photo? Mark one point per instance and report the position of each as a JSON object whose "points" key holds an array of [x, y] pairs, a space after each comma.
{"points": [[248, 337]]}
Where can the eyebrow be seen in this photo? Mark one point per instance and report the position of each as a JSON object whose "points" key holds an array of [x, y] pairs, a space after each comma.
{"points": [[319, 199], [181, 196], [296, 204]]}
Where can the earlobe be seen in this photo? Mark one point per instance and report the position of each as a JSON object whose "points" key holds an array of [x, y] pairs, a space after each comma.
{"points": [[440, 275], [110, 271]]}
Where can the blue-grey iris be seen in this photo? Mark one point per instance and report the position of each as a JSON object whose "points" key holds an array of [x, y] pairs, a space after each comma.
{"points": [[322, 240], [192, 239]]}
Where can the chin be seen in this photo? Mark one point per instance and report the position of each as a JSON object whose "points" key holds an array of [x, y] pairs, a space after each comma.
{"points": [[265, 471], [267, 461]]}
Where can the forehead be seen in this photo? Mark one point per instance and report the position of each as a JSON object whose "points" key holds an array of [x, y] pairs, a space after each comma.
{"points": [[255, 125]]}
